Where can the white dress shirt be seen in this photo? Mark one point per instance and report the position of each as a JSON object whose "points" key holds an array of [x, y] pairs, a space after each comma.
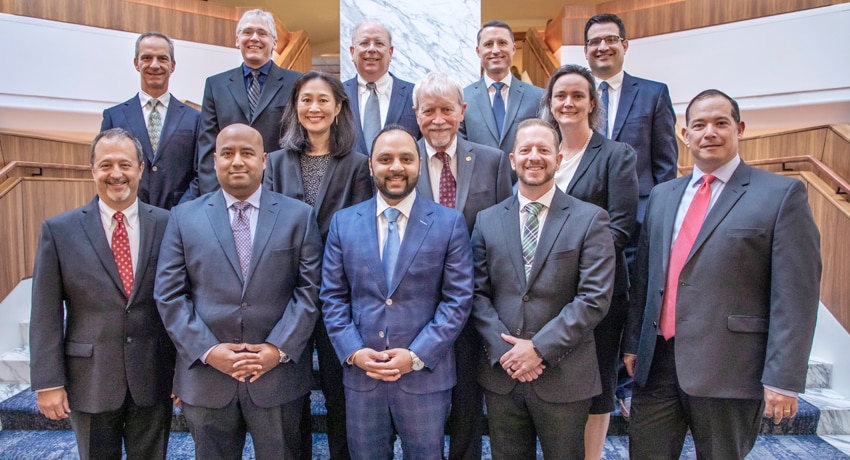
{"points": [[404, 206], [253, 212], [384, 88], [131, 222], [615, 86], [545, 200], [722, 176], [508, 80], [161, 108]]}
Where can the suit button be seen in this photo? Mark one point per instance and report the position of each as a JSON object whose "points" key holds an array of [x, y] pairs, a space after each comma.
{"points": [[389, 301], [525, 298], [244, 305], [129, 340], [154, 168], [236, 340], [518, 332], [381, 334]]}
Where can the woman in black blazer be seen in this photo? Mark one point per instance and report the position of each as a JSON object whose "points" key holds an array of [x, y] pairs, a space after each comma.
{"points": [[599, 171], [317, 165]]}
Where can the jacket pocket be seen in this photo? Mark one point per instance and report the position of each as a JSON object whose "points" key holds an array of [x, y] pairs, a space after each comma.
{"points": [[80, 350], [741, 323]]}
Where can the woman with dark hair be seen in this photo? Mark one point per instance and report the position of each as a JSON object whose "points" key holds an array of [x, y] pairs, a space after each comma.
{"points": [[316, 164], [599, 171]]}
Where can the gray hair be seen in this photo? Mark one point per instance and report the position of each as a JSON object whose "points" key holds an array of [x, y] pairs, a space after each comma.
{"points": [[117, 133], [155, 35], [264, 15], [438, 84], [374, 23]]}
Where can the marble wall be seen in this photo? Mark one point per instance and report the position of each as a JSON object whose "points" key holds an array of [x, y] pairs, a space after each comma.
{"points": [[427, 35]]}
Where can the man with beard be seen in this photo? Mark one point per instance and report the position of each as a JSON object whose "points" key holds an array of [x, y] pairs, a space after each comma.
{"points": [[544, 273], [397, 290]]}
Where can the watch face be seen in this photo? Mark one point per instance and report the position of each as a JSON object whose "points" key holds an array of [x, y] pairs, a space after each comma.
{"points": [[418, 365]]}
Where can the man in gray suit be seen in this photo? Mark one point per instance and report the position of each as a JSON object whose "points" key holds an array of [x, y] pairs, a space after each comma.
{"points": [[544, 273], [468, 177], [99, 352], [237, 286], [726, 299], [498, 101]]}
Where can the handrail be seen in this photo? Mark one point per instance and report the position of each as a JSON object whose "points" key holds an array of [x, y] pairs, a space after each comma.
{"points": [[545, 61], [842, 186], [41, 165]]}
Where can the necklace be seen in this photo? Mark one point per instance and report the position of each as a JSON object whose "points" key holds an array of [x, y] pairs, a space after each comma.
{"points": [[567, 155]]}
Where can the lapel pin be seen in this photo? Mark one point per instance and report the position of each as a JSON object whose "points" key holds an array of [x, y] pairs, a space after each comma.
{"points": [[468, 158]]}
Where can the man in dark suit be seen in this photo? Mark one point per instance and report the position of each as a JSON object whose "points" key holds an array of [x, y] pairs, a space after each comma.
{"points": [[254, 93], [166, 127], [544, 273], [726, 299], [237, 287], [468, 177], [99, 352], [493, 113], [372, 50], [397, 290]]}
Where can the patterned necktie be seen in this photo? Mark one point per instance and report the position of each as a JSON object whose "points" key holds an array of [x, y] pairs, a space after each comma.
{"points": [[448, 185], [254, 91], [241, 226], [499, 107], [391, 245], [604, 96], [371, 116], [530, 231], [154, 124], [121, 252], [681, 248]]}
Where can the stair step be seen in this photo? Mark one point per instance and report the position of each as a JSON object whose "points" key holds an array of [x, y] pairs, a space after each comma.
{"points": [[15, 366]]}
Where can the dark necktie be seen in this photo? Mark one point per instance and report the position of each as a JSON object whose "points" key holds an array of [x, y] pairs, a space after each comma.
{"points": [[241, 226], [371, 116], [448, 185], [499, 107], [154, 124], [391, 245], [121, 251], [530, 231], [604, 96], [254, 91], [681, 248]]}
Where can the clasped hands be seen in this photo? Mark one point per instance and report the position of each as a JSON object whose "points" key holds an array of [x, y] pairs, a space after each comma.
{"points": [[388, 365], [244, 360], [521, 362]]}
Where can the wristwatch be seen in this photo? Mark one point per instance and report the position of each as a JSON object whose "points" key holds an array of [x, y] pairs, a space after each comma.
{"points": [[416, 363], [284, 358]]}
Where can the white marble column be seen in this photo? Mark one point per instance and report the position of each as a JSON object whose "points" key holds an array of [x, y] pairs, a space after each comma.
{"points": [[427, 35]]}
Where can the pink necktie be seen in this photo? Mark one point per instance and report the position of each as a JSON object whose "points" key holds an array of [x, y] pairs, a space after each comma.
{"points": [[448, 185], [121, 251], [681, 248]]}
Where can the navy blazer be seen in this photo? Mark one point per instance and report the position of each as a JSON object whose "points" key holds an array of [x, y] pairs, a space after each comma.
{"points": [[748, 292], [483, 178], [86, 333], [425, 308], [204, 300], [346, 182], [169, 170], [400, 111], [646, 121], [226, 103]]}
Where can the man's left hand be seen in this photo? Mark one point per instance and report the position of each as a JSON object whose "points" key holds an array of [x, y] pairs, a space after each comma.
{"points": [[521, 362], [779, 406], [400, 360], [267, 358]]}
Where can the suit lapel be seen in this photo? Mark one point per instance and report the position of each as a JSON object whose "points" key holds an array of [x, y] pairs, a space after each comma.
{"points": [[670, 208], [354, 99], [586, 160], [481, 99], [239, 93], [274, 82], [268, 214], [417, 228], [333, 162], [93, 228], [397, 98], [511, 231], [423, 184], [173, 115], [136, 121], [147, 229], [627, 98], [515, 92], [732, 192], [555, 221], [464, 171], [368, 223], [219, 218]]}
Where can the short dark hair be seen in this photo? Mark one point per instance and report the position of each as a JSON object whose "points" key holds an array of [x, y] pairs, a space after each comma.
{"points": [[709, 93], [502, 24], [117, 133], [343, 135], [155, 35], [537, 122], [603, 19], [594, 118], [388, 128]]}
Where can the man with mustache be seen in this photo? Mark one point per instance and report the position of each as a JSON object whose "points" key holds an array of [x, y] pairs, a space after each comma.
{"points": [[99, 352], [397, 290]]}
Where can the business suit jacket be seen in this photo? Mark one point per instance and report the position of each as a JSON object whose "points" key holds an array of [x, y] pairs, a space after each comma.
{"points": [[567, 294], [204, 301], [425, 308], [483, 178], [346, 182], [169, 170], [479, 124], [748, 292], [226, 103], [400, 111], [606, 177], [646, 121], [112, 342]]}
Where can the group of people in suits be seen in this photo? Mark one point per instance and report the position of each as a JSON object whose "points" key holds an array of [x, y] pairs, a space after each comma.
{"points": [[439, 246]]}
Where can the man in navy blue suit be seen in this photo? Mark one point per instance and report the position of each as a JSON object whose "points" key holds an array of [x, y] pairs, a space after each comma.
{"points": [[372, 51], [166, 127], [396, 292]]}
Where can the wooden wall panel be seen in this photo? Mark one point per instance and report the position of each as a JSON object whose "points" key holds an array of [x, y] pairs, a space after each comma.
{"points": [[836, 153], [25, 148], [12, 251]]}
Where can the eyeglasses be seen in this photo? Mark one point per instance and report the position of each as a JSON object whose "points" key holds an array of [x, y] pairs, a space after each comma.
{"points": [[610, 40], [262, 33]]}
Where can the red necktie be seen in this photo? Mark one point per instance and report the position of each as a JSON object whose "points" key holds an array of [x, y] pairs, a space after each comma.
{"points": [[681, 248], [448, 185], [121, 251]]}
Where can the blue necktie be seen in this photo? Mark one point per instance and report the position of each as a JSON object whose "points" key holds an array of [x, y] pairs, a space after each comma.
{"points": [[391, 245], [604, 96], [499, 107]]}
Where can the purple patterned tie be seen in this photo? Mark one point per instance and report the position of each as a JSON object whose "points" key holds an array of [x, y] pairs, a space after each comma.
{"points": [[448, 185], [241, 226]]}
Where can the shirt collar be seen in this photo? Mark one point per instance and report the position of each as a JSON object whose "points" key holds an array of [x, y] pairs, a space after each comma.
{"points": [[614, 82], [723, 173], [383, 85], [131, 214], [508, 80], [405, 205], [450, 150], [264, 69], [163, 100], [254, 199], [545, 200]]}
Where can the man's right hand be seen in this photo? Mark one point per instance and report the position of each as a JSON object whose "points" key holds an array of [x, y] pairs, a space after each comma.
{"points": [[224, 357], [54, 403], [629, 360]]}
